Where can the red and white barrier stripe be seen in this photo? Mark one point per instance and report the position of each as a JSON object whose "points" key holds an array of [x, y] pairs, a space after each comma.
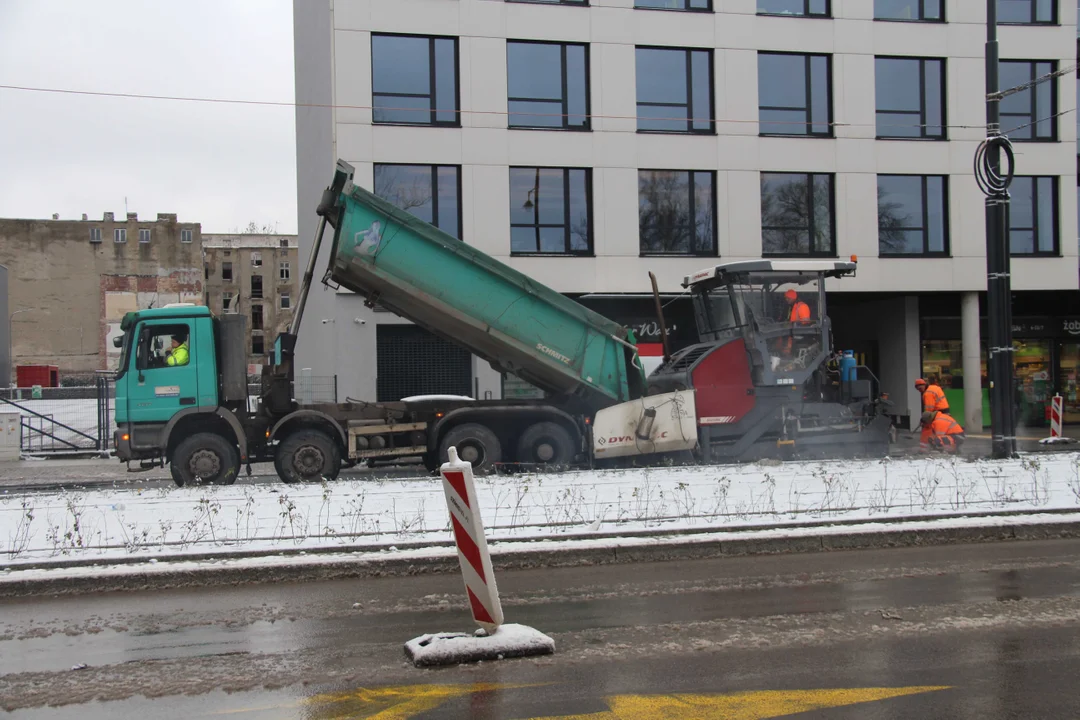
{"points": [[1057, 407], [460, 491]]}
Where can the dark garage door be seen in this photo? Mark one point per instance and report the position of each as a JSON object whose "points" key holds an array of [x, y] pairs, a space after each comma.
{"points": [[412, 361]]}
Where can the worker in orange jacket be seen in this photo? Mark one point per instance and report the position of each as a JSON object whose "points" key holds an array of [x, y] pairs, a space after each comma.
{"points": [[933, 397], [798, 315], [800, 311], [940, 432]]}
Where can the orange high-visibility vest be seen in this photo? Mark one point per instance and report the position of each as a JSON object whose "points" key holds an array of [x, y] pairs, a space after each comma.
{"points": [[800, 313], [933, 399], [943, 426]]}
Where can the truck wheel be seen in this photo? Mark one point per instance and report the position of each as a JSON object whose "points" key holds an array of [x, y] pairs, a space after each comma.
{"points": [[205, 458], [475, 444], [306, 456], [546, 443]]}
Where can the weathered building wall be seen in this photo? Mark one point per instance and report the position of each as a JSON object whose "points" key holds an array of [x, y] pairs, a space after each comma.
{"points": [[275, 253], [75, 280]]}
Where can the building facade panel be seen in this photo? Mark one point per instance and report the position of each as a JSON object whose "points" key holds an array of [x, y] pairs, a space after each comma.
{"points": [[615, 150]]}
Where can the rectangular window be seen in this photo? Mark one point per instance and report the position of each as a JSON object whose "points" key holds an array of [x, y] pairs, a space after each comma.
{"points": [[550, 211], [226, 271], [910, 98], [155, 346], [256, 287], [547, 85], [675, 90], [797, 214], [1033, 216], [256, 317], [430, 192], [257, 347], [414, 80], [913, 215], [119, 235], [677, 212], [227, 302], [694, 5], [95, 235], [144, 236], [284, 305], [256, 259], [283, 243], [795, 94], [794, 8], [284, 271], [1027, 12], [909, 10], [1028, 114], [185, 236]]}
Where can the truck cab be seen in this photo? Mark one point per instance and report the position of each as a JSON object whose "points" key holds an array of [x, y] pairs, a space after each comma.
{"points": [[181, 393]]}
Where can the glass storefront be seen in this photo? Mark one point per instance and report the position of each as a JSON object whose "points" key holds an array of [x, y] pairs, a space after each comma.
{"points": [[1034, 387], [1069, 380], [1034, 376], [943, 361]]}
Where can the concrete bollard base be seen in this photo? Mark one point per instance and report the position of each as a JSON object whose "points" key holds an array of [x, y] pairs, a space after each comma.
{"points": [[508, 641]]}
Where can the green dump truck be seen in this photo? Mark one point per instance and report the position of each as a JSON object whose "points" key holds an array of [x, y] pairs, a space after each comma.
{"points": [[189, 406]]}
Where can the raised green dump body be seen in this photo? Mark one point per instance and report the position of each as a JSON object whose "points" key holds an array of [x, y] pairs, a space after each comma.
{"points": [[453, 290]]}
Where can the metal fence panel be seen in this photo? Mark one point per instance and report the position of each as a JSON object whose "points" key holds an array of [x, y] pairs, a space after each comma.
{"points": [[63, 420]]}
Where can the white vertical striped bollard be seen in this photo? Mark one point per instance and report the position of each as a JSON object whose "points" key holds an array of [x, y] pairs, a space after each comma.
{"points": [[476, 571], [1057, 407]]}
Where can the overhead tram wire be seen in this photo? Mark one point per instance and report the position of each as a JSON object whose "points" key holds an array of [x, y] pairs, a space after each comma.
{"points": [[334, 106]]}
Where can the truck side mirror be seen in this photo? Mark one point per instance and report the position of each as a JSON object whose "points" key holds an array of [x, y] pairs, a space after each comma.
{"points": [[118, 341]]}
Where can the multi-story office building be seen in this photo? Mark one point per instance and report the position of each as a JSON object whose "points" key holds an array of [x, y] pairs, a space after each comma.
{"points": [[587, 142]]}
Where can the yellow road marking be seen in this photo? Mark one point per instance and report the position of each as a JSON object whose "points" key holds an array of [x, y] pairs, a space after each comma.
{"points": [[739, 706], [394, 703], [408, 701]]}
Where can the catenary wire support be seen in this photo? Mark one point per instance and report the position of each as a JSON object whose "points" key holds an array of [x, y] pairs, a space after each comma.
{"points": [[994, 181]]}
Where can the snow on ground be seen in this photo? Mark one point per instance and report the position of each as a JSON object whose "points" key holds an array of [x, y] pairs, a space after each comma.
{"points": [[151, 566], [103, 525]]}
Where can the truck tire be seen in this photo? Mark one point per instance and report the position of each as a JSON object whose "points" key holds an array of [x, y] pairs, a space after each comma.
{"points": [[306, 456], [546, 443], [205, 458], [475, 444]]}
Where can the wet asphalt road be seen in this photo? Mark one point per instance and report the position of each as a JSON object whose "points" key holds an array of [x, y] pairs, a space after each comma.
{"points": [[977, 631]]}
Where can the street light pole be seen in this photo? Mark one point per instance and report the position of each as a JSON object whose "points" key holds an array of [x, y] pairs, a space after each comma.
{"points": [[998, 282]]}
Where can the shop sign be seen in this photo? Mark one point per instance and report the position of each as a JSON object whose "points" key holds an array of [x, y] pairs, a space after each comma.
{"points": [[1030, 328], [950, 328], [649, 330]]}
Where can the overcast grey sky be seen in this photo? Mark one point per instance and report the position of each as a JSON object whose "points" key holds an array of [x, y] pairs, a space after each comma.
{"points": [[219, 164]]}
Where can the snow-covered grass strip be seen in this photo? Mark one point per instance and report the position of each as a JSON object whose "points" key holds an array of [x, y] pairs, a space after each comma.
{"points": [[104, 524], [151, 566]]}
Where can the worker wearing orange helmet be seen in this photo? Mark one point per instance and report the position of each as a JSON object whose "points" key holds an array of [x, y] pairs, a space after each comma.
{"points": [[798, 315], [800, 311], [933, 397], [940, 432]]}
